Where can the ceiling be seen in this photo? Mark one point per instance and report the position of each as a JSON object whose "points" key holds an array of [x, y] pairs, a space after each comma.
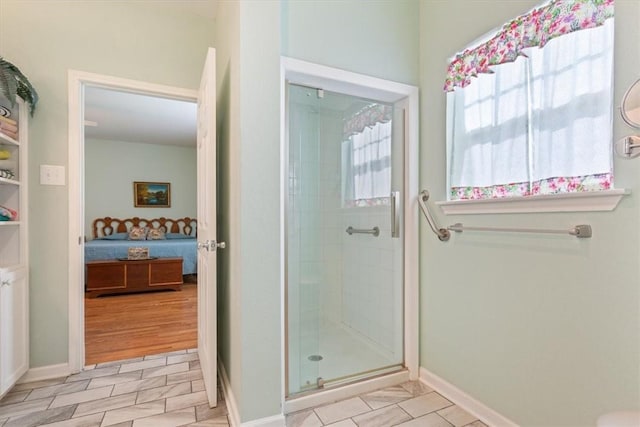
{"points": [[132, 117]]}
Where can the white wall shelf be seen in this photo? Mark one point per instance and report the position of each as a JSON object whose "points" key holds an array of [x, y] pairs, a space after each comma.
{"points": [[7, 181], [4, 139]]}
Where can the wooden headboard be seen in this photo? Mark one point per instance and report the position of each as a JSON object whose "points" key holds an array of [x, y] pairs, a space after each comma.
{"points": [[107, 225]]}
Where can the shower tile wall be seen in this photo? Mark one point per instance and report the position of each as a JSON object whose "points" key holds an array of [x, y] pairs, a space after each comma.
{"points": [[303, 267], [368, 279], [331, 231], [315, 277], [357, 271], [340, 287]]}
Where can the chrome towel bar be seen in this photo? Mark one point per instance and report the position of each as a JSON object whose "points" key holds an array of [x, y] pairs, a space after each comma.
{"points": [[375, 231], [581, 231]]}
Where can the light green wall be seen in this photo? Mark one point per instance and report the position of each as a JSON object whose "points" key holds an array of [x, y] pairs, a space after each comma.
{"points": [[249, 154], [111, 167], [555, 345], [542, 329], [378, 38], [46, 38], [248, 66], [227, 43], [260, 213]]}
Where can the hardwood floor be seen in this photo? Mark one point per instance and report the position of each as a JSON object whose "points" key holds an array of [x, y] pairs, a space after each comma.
{"points": [[121, 327]]}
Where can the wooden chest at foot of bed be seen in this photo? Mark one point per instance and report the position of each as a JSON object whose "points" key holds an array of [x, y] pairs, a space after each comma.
{"points": [[124, 276]]}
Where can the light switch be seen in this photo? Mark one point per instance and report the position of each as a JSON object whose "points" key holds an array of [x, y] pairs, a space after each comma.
{"points": [[52, 175]]}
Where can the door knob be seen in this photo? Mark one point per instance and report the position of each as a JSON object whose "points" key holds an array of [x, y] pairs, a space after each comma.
{"points": [[212, 245]]}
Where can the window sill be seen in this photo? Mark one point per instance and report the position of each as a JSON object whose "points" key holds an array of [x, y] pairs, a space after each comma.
{"points": [[573, 202]]}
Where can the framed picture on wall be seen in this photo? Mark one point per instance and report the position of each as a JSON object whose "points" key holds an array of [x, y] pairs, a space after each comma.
{"points": [[151, 194]]}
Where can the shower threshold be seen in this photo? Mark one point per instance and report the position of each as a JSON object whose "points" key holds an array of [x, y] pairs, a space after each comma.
{"points": [[342, 388]]}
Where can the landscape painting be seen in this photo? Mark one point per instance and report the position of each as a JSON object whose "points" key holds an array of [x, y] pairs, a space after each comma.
{"points": [[152, 194]]}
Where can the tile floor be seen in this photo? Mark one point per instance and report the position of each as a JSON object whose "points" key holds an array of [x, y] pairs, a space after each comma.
{"points": [[411, 404], [166, 390], [155, 391]]}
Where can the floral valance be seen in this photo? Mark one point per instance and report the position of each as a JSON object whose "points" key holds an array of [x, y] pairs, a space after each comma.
{"points": [[367, 117], [535, 28]]}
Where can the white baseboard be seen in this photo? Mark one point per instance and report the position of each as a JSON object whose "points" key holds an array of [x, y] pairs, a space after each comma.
{"points": [[229, 398], [274, 421], [232, 406], [46, 373], [465, 401]]}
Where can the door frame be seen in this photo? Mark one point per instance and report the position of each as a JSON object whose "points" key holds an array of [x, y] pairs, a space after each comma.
{"points": [[77, 81], [319, 76]]}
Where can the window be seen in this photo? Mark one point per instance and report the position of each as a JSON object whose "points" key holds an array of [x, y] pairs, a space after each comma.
{"points": [[530, 111], [366, 157]]}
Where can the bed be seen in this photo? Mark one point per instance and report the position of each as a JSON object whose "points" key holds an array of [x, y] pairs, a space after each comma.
{"points": [[110, 240]]}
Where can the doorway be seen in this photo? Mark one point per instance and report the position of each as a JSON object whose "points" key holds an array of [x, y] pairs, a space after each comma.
{"points": [[78, 82], [207, 244], [130, 137], [134, 138]]}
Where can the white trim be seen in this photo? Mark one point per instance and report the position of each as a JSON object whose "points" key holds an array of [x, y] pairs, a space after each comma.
{"points": [[572, 202], [229, 398], [45, 373], [411, 237], [465, 401], [274, 421], [284, 166], [76, 226], [76, 82], [349, 83], [337, 80]]}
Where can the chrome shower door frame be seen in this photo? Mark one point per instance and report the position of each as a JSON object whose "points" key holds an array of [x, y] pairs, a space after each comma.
{"points": [[307, 74]]}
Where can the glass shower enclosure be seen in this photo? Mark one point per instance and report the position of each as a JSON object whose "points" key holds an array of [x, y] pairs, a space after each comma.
{"points": [[344, 239]]}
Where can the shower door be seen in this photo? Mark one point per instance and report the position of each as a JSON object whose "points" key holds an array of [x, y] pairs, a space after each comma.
{"points": [[344, 239]]}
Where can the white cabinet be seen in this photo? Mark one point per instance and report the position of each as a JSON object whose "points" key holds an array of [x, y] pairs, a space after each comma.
{"points": [[14, 263], [14, 326]]}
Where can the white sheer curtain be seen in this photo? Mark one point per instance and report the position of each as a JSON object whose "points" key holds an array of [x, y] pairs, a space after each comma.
{"points": [[490, 129], [367, 165], [546, 116], [572, 96]]}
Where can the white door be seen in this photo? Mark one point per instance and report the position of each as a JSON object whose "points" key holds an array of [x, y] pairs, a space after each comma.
{"points": [[207, 244], [14, 326]]}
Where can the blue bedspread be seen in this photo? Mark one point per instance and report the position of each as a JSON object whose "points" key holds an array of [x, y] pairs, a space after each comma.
{"points": [[113, 249]]}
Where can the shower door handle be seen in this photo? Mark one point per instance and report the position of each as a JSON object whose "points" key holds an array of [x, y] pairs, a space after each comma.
{"points": [[395, 214]]}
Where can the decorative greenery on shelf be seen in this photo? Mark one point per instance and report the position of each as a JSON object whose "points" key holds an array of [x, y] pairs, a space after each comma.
{"points": [[13, 83]]}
